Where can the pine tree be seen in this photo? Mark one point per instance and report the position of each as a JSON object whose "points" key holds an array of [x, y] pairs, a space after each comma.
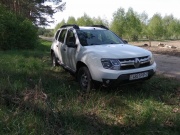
{"points": [[34, 10]]}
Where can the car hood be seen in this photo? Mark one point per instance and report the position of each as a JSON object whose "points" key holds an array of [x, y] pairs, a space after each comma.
{"points": [[118, 51]]}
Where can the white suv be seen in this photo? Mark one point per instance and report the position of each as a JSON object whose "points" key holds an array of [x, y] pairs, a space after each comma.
{"points": [[96, 54]]}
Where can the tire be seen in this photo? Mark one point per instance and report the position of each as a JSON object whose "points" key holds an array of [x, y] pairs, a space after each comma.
{"points": [[54, 60], [84, 79]]}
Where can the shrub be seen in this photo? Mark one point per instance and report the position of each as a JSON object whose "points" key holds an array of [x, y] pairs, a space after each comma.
{"points": [[16, 32], [45, 32]]}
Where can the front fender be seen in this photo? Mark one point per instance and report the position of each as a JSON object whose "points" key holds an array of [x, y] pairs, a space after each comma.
{"points": [[92, 61]]}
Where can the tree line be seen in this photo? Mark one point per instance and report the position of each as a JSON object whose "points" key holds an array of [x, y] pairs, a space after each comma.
{"points": [[20, 19], [133, 26]]}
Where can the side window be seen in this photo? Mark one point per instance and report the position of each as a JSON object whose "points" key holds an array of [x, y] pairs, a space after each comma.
{"points": [[70, 37], [57, 33], [62, 36]]}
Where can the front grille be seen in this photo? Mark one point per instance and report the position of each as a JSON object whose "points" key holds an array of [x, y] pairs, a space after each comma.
{"points": [[132, 63]]}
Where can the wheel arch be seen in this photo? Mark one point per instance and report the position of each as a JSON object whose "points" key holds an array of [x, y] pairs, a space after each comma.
{"points": [[79, 65]]}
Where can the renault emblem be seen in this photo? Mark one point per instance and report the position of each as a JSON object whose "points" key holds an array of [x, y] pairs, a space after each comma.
{"points": [[136, 63]]}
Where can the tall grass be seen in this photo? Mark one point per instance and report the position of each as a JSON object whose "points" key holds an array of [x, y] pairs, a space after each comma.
{"points": [[36, 98]]}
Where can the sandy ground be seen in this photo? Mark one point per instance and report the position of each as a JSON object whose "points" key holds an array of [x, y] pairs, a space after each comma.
{"points": [[168, 65], [161, 50], [167, 59]]}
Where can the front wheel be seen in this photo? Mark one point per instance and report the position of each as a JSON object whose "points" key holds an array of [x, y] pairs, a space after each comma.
{"points": [[84, 79]]}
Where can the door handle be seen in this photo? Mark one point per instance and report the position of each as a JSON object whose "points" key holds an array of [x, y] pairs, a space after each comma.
{"points": [[56, 45], [64, 49]]}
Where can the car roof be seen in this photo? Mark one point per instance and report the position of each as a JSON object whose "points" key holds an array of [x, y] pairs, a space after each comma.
{"points": [[93, 27], [90, 28]]}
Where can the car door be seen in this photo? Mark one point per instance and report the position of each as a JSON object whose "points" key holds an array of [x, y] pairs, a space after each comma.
{"points": [[61, 40], [56, 43], [70, 52]]}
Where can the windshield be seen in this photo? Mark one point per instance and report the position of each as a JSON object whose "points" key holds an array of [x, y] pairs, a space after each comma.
{"points": [[97, 37]]}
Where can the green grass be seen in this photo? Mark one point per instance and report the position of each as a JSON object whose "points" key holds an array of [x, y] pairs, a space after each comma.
{"points": [[38, 99]]}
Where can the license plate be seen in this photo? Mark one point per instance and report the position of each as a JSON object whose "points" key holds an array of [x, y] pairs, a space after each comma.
{"points": [[138, 76]]}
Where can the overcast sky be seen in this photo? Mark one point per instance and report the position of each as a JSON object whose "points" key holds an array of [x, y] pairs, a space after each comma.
{"points": [[105, 8]]}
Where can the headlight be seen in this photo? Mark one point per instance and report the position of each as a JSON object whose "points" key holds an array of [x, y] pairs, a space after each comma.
{"points": [[151, 59], [113, 64]]}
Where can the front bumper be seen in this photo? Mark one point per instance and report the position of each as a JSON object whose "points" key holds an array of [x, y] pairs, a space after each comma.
{"points": [[124, 79], [108, 77]]}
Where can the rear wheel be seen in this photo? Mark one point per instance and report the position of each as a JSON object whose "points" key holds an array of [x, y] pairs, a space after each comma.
{"points": [[84, 79], [54, 60]]}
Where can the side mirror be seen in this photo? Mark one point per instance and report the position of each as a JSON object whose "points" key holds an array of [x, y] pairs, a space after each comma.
{"points": [[125, 41], [71, 44]]}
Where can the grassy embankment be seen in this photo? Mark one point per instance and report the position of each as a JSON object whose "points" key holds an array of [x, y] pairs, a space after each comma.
{"points": [[38, 99]]}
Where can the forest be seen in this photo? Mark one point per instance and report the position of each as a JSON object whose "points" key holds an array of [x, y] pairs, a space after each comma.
{"points": [[18, 17]]}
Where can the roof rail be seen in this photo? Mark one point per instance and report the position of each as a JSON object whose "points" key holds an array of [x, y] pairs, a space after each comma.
{"points": [[101, 26], [72, 25]]}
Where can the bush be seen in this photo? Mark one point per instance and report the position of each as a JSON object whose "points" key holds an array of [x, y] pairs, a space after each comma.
{"points": [[134, 38], [45, 32], [16, 32]]}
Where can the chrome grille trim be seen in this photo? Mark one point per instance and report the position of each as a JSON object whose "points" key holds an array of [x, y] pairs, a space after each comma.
{"points": [[130, 62]]}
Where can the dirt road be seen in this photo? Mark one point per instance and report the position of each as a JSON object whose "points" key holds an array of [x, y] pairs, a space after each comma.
{"points": [[168, 65]]}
